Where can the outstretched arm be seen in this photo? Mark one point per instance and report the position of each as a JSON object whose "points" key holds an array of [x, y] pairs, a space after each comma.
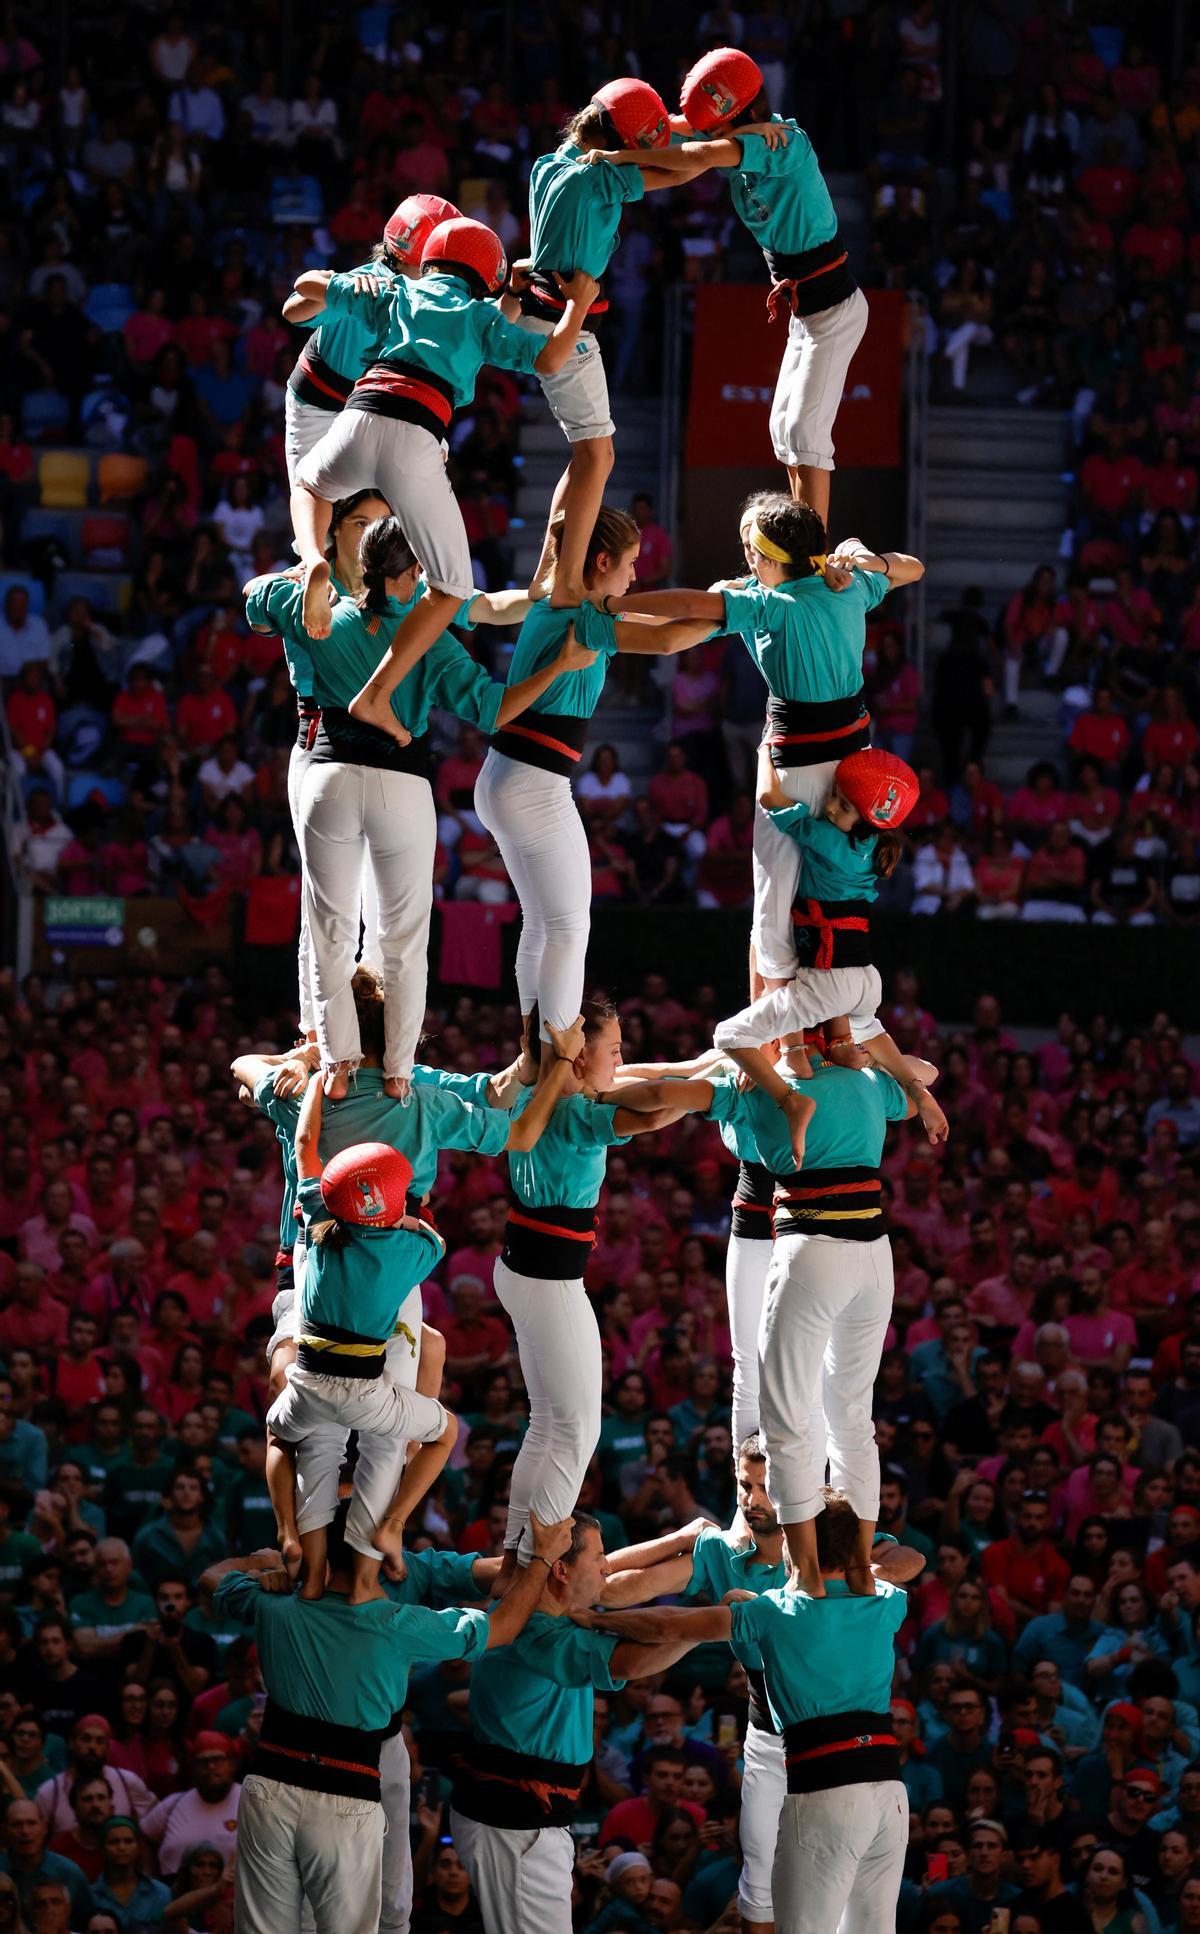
{"points": [[652, 1641], [689, 605], [897, 566], [500, 607], [308, 1132], [661, 640]]}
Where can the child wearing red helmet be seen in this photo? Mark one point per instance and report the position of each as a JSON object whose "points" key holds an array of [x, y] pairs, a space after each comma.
{"points": [[780, 194], [341, 347]]}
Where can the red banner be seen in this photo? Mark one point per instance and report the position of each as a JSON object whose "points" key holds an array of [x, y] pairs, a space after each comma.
{"points": [[736, 355]]}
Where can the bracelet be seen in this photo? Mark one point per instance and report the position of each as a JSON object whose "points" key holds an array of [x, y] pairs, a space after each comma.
{"points": [[606, 605], [543, 1561], [887, 569]]}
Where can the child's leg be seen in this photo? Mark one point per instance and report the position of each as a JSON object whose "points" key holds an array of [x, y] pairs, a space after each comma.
{"points": [[388, 1419], [840, 1045], [281, 1487], [313, 1546], [578, 397], [585, 478]]}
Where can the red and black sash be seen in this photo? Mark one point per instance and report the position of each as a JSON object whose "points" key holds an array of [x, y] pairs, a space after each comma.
{"points": [[842, 1202], [752, 1200], [500, 1788], [832, 933], [317, 1755], [802, 732], [844, 1749], [544, 299], [549, 740], [548, 1242], [815, 279], [405, 391], [315, 383]]}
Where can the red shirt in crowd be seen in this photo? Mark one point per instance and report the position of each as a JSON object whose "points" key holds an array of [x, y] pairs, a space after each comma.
{"points": [[1036, 1574], [203, 718]]}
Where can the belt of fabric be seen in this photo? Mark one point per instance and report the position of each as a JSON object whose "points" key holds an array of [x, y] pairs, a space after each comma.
{"points": [[313, 382], [842, 1202], [340, 740], [501, 1788], [841, 1749], [333, 1352], [758, 1712], [802, 732], [318, 1755], [406, 391], [832, 933], [543, 298], [809, 281], [549, 1242], [549, 740], [752, 1203]]}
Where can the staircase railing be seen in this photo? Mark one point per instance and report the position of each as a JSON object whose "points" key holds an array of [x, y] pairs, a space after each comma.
{"points": [[916, 389], [17, 896]]}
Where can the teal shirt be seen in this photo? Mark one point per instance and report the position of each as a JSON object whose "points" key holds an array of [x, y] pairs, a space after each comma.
{"points": [[832, 865], [145, 1907], [780, 193], [348, 1664], [575, 211], [821, 1656], [535, 1695], [359, 1283], [93, 1613], [344, 338], [438, 325], [440, 1579], [157, 1552], [719, 1566], [433, 1118], [576, 694], [847, 1130], [807, 640], [566, 1167], [472, 1088]]}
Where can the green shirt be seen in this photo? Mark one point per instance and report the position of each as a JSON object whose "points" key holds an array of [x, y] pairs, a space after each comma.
{"points": [[157, 1552], [94, 1613], [436, 324], [249, 1515], [15, 1552], [439, 1579], [344, 338], [832, 865], [821, 1656], [535, 1695], [471, 1088], [359, 1282], [848, 1129], [347, 1664], [575, 211], [542, 635], [807, 640], [433, 1118], [780, 193], [267, 607], [566, 1165]]}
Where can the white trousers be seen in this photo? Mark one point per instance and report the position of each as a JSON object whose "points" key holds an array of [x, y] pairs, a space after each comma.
{"points": [[840, 1859], [747, 1261], [533, 820], [827, 1310], [316, 1413], [764, 1790], [813, 996], [292, 1844], [558, 1341], [404, 463], [577, 393], [521, 1877], [777, 870], [812, 377], [395, 1793], [303, 428], [297, 767], [356, 818]]}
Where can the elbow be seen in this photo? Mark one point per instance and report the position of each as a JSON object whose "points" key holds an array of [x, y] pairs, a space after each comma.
{"points": [[449, 1436], [552, 358]]}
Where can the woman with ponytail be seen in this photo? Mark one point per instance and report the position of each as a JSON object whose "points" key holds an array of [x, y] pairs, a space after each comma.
{"points": [[365, 788], [523, 794]]}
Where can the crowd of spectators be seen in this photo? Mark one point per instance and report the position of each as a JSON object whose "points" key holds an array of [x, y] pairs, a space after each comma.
{"points": [[1037, 1411]]}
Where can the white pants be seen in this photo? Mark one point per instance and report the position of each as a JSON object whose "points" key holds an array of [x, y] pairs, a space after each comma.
{"points": [[840, 1859], [292, 1844], [395, 1792], [521, 1876], [958, 348], [812, 997], [533, 820], [747, 1261], [303, 428], [812, 376], [355, 819], [764, 1790], [558, 1341], [404, 463], [777, 870], [577, 393], [316, 1413], [298, 765], [827, 1310]]}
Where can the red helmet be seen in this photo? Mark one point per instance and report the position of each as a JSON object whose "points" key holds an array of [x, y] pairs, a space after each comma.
{"points": [[720, 85], [883, 788], [411, 224], [470, 249], [367, 1184], [637, 112]]}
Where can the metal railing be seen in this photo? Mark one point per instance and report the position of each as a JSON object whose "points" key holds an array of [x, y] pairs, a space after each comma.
{"points": [[17, 950], [916, 397]]}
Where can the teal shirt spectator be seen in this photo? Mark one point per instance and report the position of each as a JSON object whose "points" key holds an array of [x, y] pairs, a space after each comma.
{"points": [[541, 638], [987, 1656], [780, 193], [575, 211], [566, 1166], [24, 1456], [346, 1664], [1066, 1642], [54, 1866], [16, 1550], [1114, 1639], [447, 676], [91, 1612], [359, 1282], [922, 1783], [689, 1420], [822, 1656], [157, 1552], [436, 324], [848, 1129], [141, 1913], [711, 1888], [806, 640], [932, 1371], [535, 1695], [832, 865]]}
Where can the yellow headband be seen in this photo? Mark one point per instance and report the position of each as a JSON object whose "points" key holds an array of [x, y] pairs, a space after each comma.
{"points": [[766, 547]]}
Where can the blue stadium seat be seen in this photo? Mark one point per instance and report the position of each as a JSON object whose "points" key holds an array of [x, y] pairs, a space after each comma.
{"points": [[37, 594], [109, 306], [59, 524], [45, 414]]}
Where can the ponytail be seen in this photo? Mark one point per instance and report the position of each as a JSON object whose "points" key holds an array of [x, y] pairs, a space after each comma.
{"points": [[888, 847], [384, 553]]}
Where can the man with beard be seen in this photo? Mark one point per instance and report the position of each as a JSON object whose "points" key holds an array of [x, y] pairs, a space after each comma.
{"points": [[716, 1563]]}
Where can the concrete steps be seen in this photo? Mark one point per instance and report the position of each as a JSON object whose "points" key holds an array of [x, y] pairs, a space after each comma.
{"points": [[994, 499]]}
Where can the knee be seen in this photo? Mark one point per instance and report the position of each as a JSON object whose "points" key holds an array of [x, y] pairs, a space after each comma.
{"points": [[595, 456]]}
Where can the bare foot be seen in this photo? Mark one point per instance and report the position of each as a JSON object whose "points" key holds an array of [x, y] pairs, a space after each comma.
{"points": [[807, 1580], [313, 1587], [336, 1084], [860, 1579], [364, 1591], [398, 1086], [316, 599], [290, 1552], [373, 707], [388, 1541], [845, 1054], [799, 1110]]}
